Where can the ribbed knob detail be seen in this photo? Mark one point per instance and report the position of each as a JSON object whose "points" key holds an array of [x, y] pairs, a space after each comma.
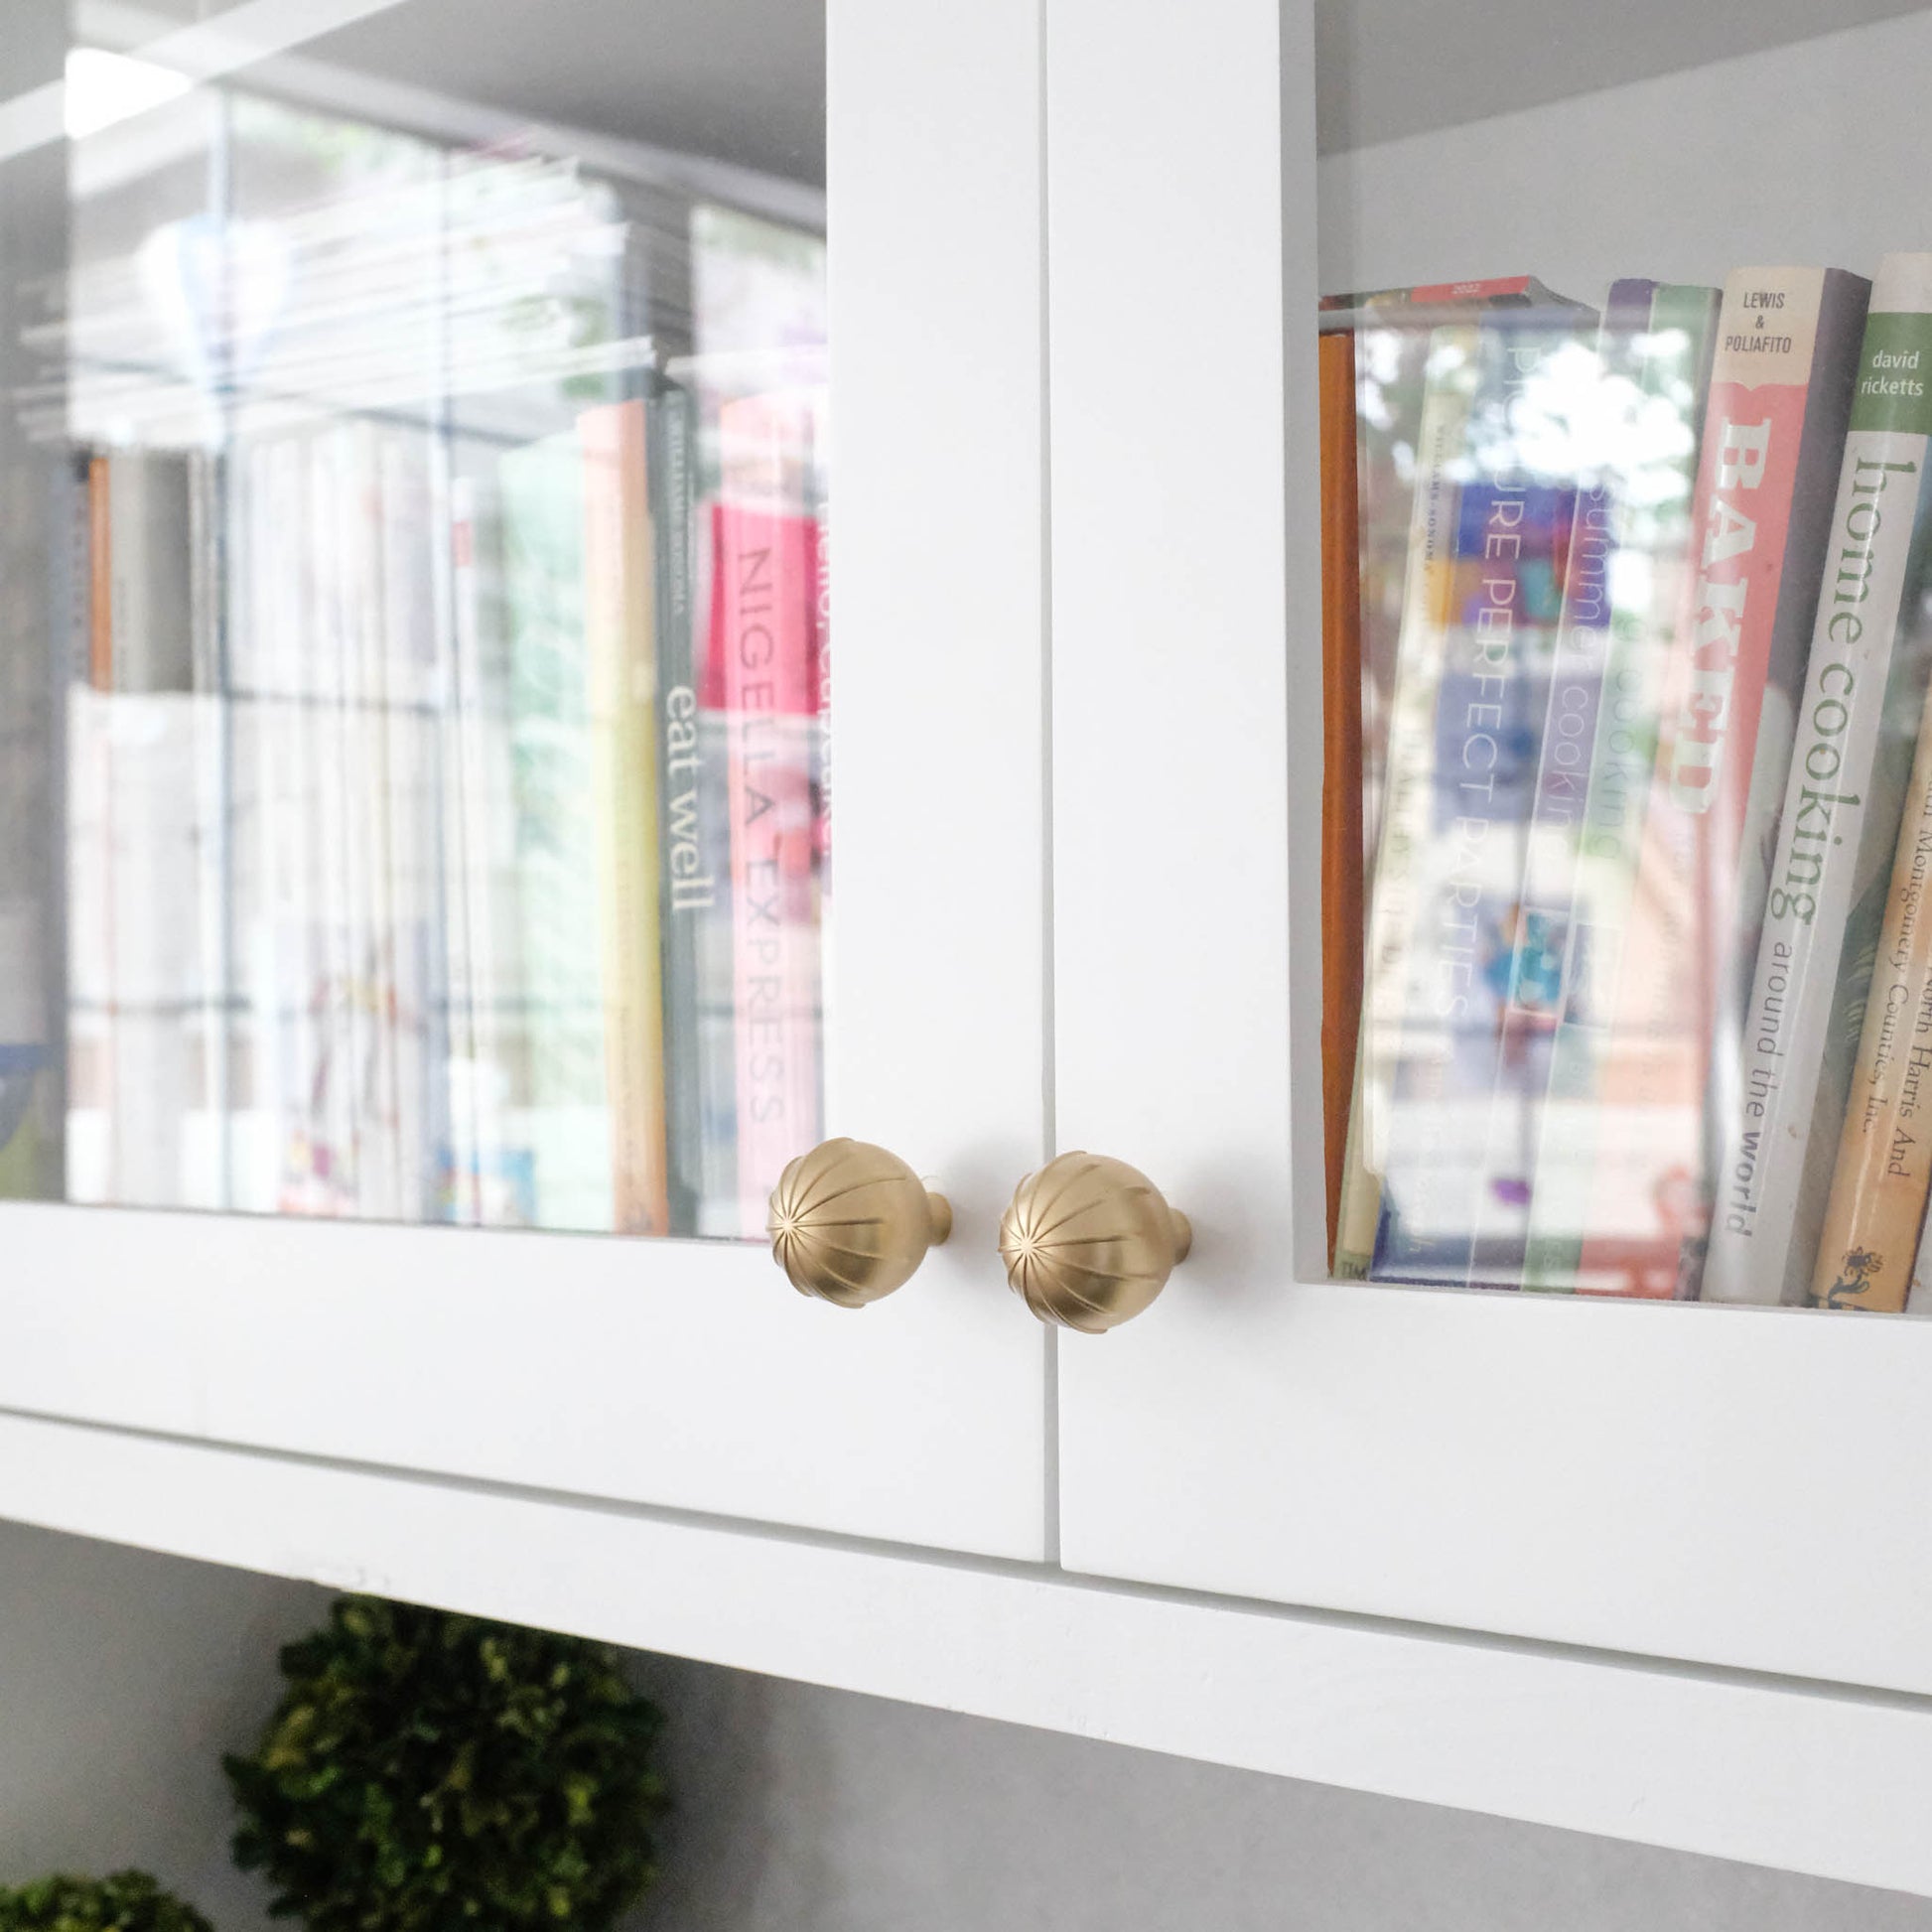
{"points": [[850, 1222], [1089, 1242]]}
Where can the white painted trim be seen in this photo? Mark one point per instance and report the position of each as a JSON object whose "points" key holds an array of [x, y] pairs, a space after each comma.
{"points": [[683, 1373], [1772, 1773]]}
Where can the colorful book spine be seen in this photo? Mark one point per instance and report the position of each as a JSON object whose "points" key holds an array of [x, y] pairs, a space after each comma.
{"points": [[1881, 1184], [1405, 821], [618, 619], [1843, 804], [1392, 330], [1513, 525], [690, 887], [1627, 1218], [1731, 781], [1533, 976], [1650, 586], [766, 582], [1341, 769], [1429, 304]]}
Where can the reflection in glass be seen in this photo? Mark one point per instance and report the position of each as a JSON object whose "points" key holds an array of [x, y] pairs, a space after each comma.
{"points": [[439, 616], [1639, 603]]}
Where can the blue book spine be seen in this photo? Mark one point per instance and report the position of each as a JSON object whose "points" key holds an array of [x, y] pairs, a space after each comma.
{"points": [[1514, 517]]}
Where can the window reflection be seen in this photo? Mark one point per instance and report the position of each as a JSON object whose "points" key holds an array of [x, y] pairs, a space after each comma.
{"points": [[439, 616]]}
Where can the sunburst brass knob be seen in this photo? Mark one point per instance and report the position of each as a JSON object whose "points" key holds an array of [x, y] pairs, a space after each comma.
{"points": [[851, 1222], [1089, 1242]]}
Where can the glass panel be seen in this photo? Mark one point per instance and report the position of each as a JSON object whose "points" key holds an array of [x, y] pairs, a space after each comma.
{"points": [[1627, 628], [415, 638]]}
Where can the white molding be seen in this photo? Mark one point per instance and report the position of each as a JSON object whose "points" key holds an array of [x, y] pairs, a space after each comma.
{"points": [[1772, 1773]]}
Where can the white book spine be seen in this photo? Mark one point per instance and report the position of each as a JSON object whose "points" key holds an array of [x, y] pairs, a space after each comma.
{"points": [[1407, 797], [1836, 830], [459, 883]]}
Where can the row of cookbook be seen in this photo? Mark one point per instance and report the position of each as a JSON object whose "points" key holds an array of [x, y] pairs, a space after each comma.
{"points": [[1627, 628], [447, 817]]}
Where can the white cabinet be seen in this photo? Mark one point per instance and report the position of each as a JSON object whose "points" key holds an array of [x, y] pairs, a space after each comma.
{"points": [[679, 1373], [1627, 1567], [1732, 1487]]}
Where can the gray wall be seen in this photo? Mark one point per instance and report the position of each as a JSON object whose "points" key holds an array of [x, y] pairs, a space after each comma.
{"points": [[123, 1678], [124, 1675]]}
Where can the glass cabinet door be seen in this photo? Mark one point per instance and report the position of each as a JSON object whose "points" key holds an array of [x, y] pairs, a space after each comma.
{"points": [[1552, 629], [437, 506], [419, 645]]}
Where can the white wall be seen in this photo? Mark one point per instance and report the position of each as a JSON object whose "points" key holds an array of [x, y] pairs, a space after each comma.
{"points": [[124, 1676], [1655, 177]]}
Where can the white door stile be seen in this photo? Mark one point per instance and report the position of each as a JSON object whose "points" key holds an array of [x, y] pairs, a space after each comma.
{"points": [[684, 1374], [1734, 1488], [1167, 281]]}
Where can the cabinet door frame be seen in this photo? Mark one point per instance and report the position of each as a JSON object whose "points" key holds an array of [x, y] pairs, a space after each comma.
{"points": [[684, 1374], [1732, 1486]]}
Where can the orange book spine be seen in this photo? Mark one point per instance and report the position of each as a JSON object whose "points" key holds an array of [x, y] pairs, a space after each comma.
{"points": [[100, 578], [1342, 769], [1884, 1151]]}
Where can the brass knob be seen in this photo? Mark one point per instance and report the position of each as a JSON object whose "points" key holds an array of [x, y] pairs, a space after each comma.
{"points": [[851, 1222], [1089, 1242]]}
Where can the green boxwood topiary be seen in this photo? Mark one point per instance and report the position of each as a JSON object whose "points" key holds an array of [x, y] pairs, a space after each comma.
{"points": [[129, 1901], [434, 1773]]}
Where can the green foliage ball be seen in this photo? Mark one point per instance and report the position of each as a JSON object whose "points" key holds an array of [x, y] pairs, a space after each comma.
{"points": [[426, 1773], [129, 1901]]}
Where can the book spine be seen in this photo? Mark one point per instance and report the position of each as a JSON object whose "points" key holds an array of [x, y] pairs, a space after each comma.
{"points": [[1841, 808], [492, 1177], [365, 751], [1428, 585], [1391, 334], [1879, 1185], [1513, 521], [767, 576], [1653, 582], [1736, 819], [1342, 769], [335, 1173], [251, 902], [569, 1142], [690, 889], [462, 1159], [1391, 371], [1730, 658], [288, 814], [1641, 1210], [101, 573], [211, 780], [619, 597], [414, 624], [1532, 981]]}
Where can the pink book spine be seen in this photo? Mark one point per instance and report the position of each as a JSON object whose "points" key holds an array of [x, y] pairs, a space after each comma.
{"points": [[765, 598]]}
